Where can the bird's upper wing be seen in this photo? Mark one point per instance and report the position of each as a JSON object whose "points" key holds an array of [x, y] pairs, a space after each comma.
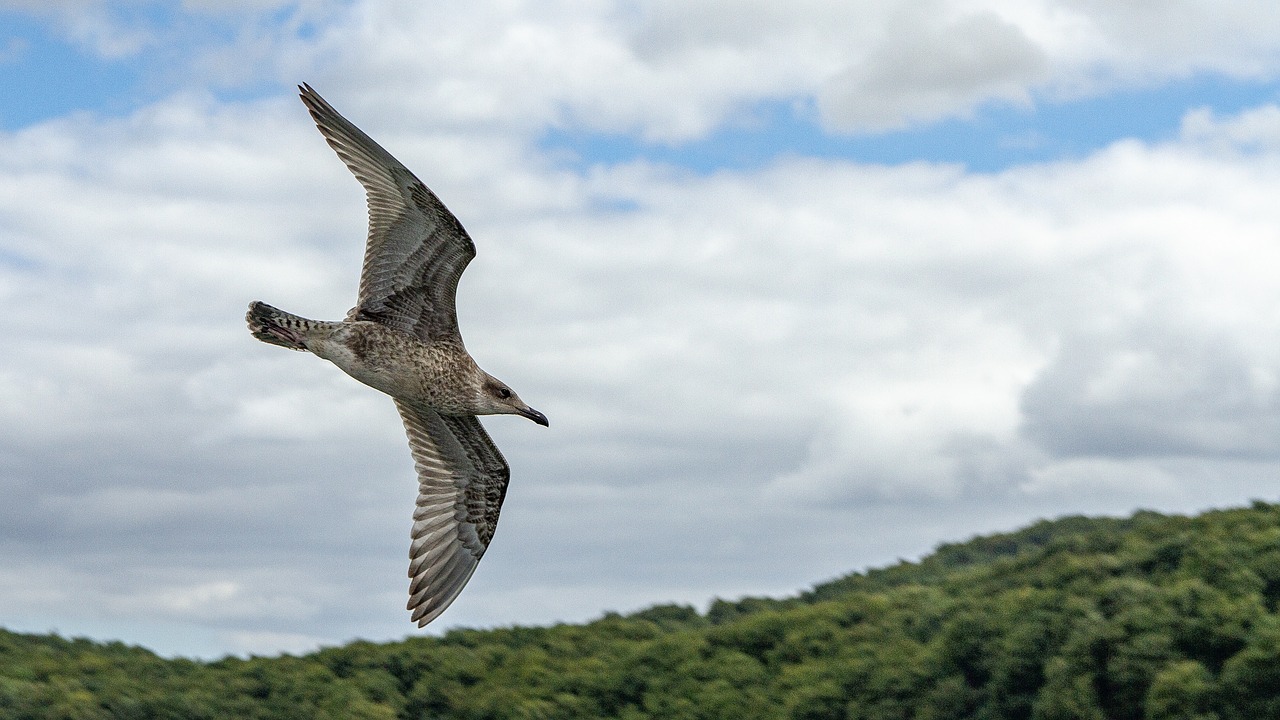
{"points": [[462, 479], [416, 249]]}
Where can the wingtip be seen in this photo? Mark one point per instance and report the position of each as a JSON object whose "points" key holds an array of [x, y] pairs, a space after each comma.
{"points": [[306, 95], [316, 105], [423, 616], [311, 98]]}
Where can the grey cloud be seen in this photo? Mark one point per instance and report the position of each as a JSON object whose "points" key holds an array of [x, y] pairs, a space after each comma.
{"points": [[1154, 391], [926, 71]]}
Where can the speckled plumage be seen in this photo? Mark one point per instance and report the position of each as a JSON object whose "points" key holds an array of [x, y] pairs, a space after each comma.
{"points": [[402, 338]]}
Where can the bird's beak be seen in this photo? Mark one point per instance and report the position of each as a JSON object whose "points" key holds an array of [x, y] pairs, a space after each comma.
{"points": [[534, 415]]}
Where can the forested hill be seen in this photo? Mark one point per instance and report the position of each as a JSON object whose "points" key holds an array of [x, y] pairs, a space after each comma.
{"points": [[1152, 617]]}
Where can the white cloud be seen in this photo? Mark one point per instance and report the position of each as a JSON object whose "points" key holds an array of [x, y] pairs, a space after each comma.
{"points": [[1149, 41], [673, 71], [1256, 130]]}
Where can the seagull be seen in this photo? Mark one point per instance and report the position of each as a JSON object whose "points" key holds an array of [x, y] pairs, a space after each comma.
{"points": [[402, 338]]}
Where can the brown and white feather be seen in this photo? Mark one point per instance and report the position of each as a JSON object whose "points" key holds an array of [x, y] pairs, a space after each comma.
{"points": [[462, 481], [416, 249]]}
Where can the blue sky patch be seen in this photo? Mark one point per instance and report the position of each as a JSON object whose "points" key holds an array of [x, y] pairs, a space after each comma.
{"points": [[43, 77], [995, 138], [45, 74]]}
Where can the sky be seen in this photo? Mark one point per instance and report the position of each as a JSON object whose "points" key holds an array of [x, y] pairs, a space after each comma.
{"points": [[804, 288]]}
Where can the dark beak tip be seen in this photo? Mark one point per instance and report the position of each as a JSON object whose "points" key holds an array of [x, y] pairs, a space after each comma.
{"points": [[537, 417]]}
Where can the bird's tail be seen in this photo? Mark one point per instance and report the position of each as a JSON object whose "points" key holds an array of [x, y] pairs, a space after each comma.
{"points": [[275, 326]]}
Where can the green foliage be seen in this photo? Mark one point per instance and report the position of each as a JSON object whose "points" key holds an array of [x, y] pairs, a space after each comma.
{"points": [[1150, 617]]}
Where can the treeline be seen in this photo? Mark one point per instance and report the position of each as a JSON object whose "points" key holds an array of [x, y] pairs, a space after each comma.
{"points": [[1151, 617]]}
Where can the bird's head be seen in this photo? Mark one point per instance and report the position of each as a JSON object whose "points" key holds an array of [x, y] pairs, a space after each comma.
{"points": [[497, 398]]}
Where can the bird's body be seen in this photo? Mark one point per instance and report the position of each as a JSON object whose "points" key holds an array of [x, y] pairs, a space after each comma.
{"points": [[439, 374], [402, 338]]}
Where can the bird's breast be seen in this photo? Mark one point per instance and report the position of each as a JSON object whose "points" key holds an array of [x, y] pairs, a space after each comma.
{"points": [[399, 364]]}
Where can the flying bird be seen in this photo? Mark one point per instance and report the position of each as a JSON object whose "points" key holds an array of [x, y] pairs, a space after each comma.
{"points": [[402, 338]]}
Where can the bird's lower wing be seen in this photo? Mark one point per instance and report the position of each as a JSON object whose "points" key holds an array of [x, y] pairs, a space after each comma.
{"points": [[462, 480]]}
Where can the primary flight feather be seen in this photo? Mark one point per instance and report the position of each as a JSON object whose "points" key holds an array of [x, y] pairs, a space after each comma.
{"points": [[402, 338]]}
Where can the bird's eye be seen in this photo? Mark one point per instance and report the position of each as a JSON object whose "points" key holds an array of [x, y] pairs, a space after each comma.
{"points": [[504, 393]]}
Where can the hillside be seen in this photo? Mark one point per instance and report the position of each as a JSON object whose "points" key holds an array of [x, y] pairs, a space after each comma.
{"points": [[1151, 617]]}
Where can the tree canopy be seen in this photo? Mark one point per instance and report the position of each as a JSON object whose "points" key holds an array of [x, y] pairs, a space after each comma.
{"points": [[1151, 617]]}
